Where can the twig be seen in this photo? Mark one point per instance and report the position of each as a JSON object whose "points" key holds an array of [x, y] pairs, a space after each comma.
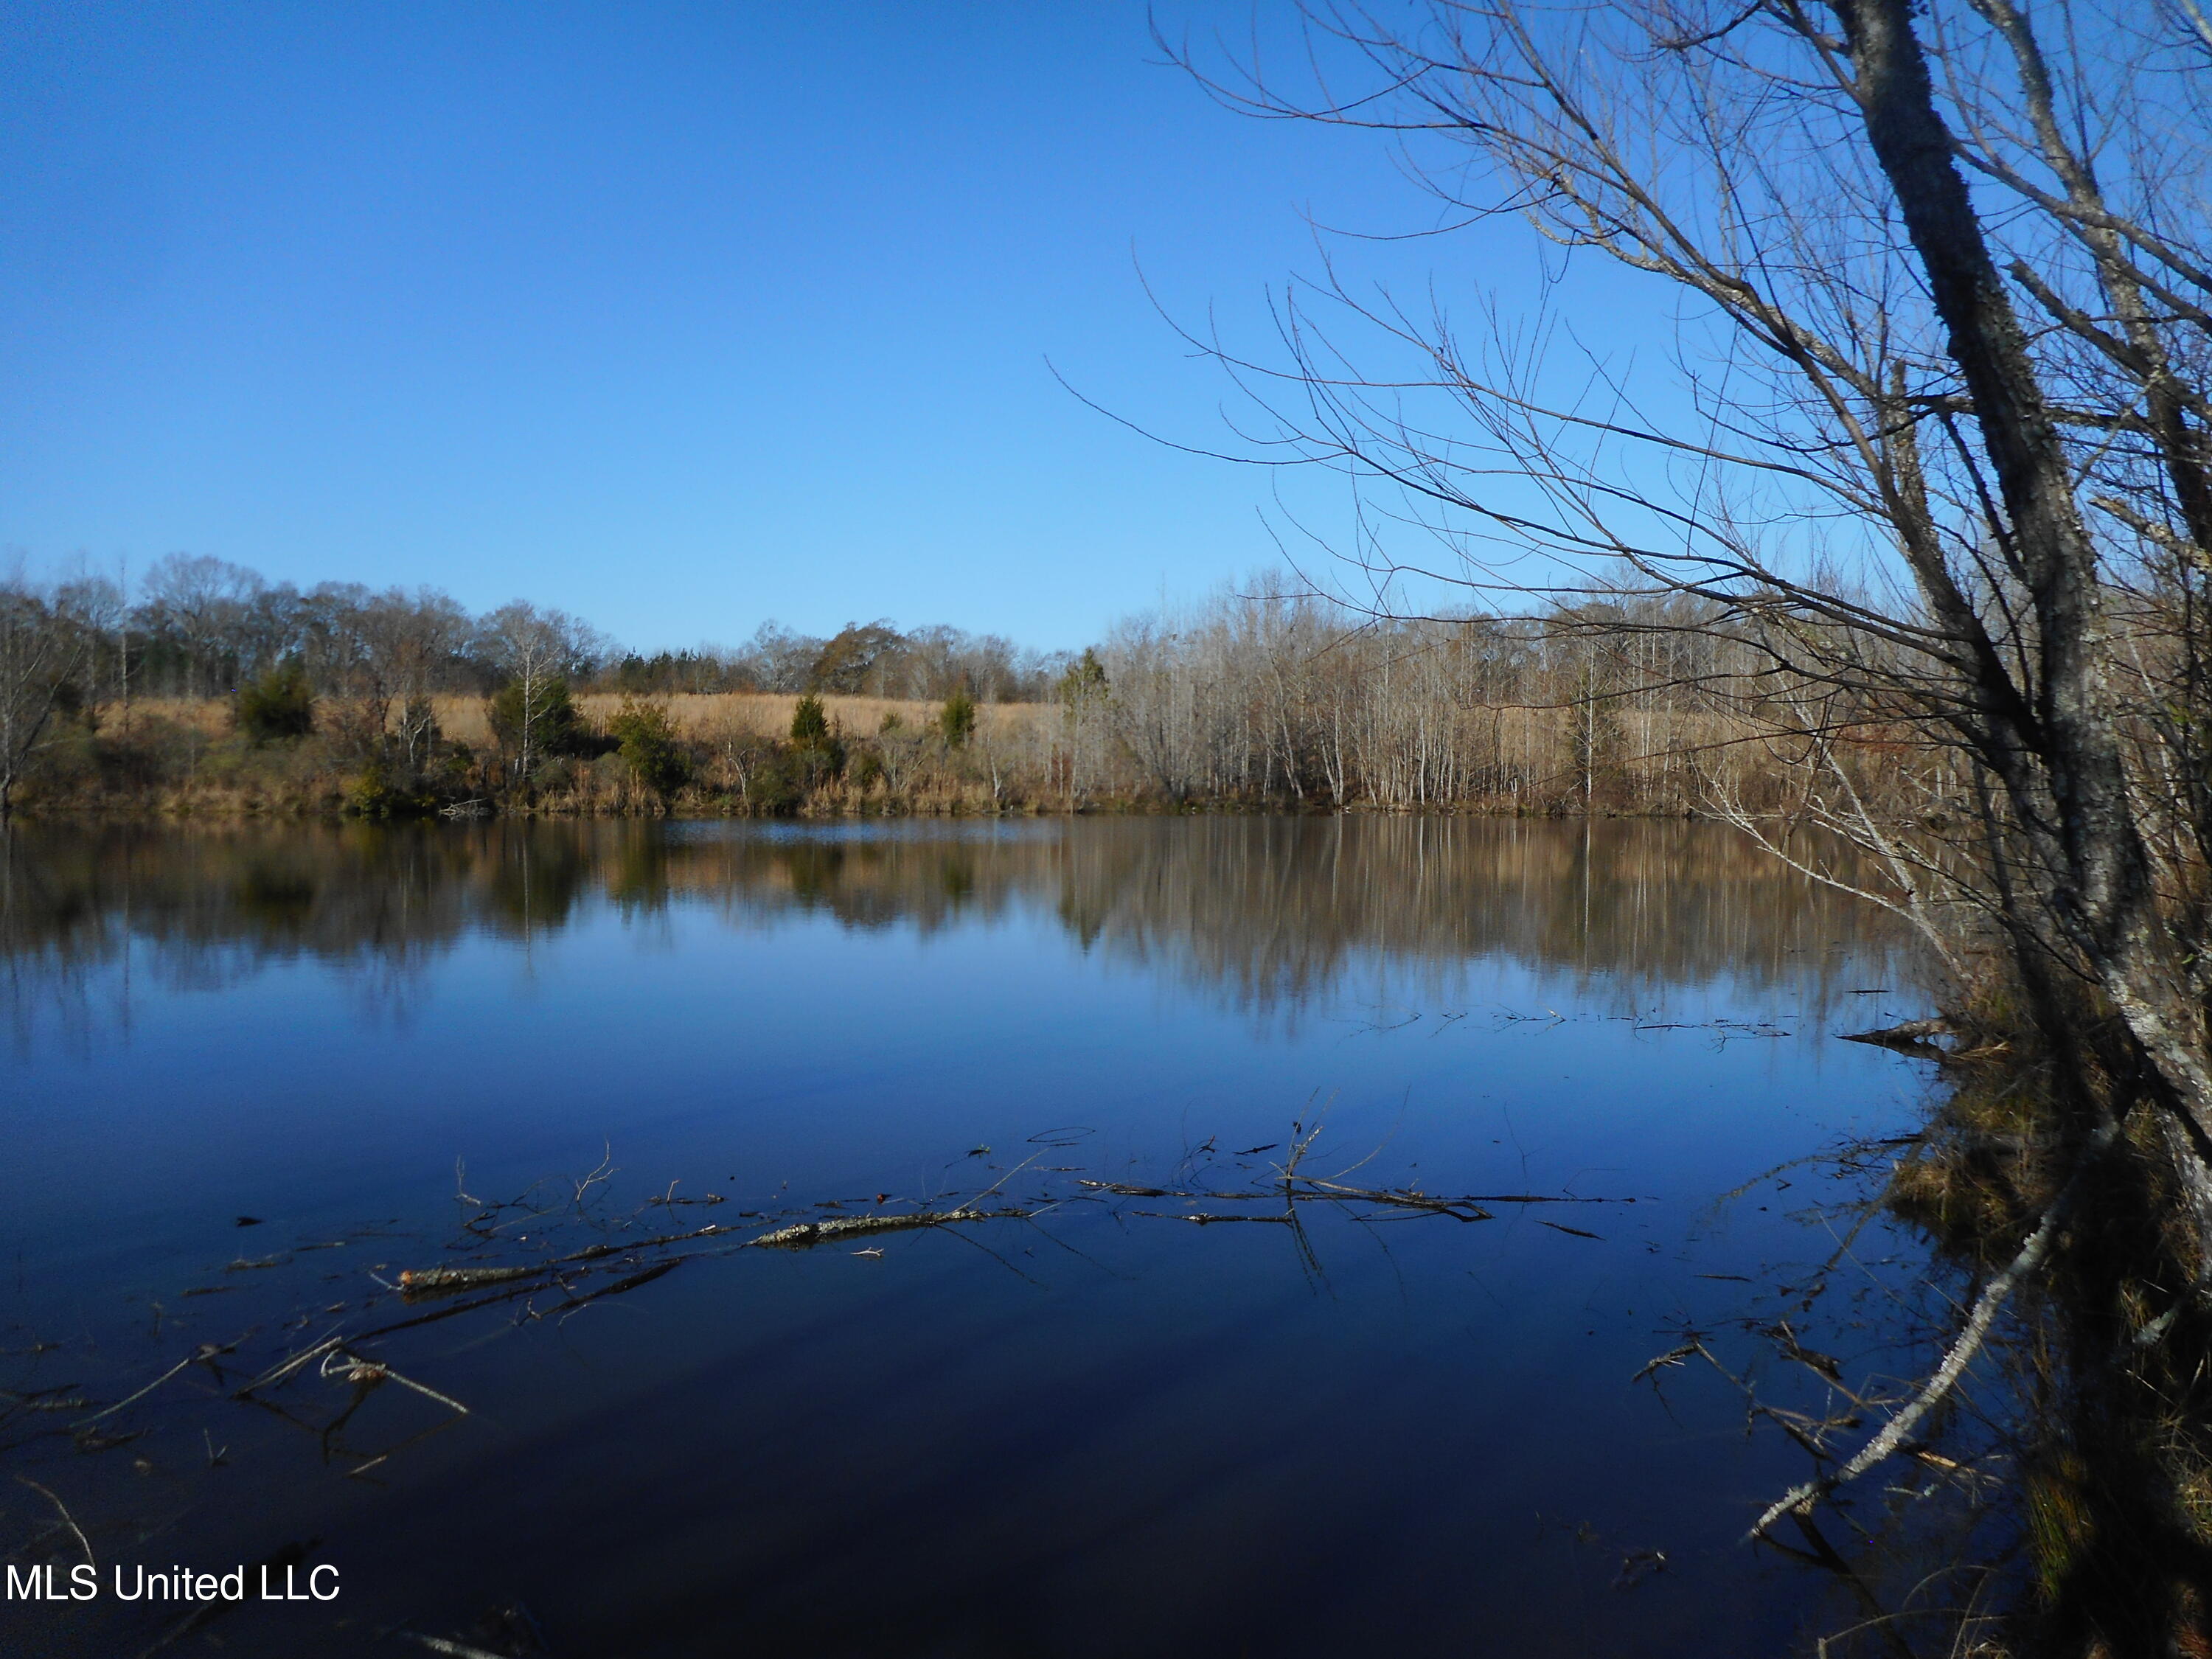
{"points": [[368, 1373], [68, 1520], [605, 1171], [994, 1186], [1300, 1145], [207, 1351], [284, 1368], [457, 1650]]}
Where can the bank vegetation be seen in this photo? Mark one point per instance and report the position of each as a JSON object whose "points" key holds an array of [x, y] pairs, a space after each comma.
{"points": [[219, 693]]}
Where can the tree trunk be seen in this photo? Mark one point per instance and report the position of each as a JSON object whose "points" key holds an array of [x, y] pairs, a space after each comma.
{"points": [[2060, 758]]}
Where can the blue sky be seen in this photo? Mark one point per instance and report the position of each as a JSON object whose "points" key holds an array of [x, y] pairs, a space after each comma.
{"points": [[678, 316]]}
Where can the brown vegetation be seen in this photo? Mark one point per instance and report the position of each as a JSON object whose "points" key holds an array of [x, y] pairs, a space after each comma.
{"points": [[1240, 704]]}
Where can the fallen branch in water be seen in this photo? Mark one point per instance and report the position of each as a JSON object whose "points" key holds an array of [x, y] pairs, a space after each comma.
{"points": [[1459, 1209], [629, 1282], [1576, 1232], [806, 1234], [1336, 1189], [1537, 1198], [1308, 1188], [1910, 1038], [435, 1281], [1987, 1306], [536, 1279], [1202, 1219]]}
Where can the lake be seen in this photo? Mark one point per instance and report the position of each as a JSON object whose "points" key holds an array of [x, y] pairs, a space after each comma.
{"points": [[1089, 1426]]}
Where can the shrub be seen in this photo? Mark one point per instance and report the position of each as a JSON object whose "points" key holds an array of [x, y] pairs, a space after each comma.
{"points": [[774, 788], [280, 704], [816, 749], [1086, 679], [956, 719], [375, 792], [646, 738], [810, 723]]}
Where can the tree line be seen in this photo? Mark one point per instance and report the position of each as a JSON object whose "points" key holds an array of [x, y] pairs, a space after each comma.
{"points": [[366, 668], [202, 627], [342, 697]]}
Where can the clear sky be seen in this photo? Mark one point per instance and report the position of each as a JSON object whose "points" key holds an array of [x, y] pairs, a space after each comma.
{"points": [[678, 316]]}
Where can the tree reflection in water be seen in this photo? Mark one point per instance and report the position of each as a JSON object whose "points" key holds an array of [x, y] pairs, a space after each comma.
{"points": [[1265, 915]]}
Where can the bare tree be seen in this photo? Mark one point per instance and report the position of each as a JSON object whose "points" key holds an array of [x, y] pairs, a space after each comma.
{"points": [[47, 639], [1950, 301], [1931, 475], [202, 610], [538, 649]]}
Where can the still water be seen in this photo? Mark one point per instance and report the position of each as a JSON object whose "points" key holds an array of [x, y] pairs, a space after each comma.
{"points": [[1096, 1430]]}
